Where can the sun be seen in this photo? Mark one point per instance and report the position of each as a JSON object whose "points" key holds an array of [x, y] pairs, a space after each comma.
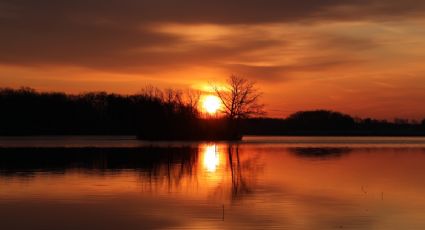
{"points": [[211, 104]]}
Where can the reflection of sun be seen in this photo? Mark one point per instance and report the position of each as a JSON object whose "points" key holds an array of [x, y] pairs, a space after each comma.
{"points": [[211, 104], [211, 158]]}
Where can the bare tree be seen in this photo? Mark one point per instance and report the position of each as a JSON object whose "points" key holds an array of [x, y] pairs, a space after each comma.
{"points": [[240, 98], [192, 99], [152, 92]]}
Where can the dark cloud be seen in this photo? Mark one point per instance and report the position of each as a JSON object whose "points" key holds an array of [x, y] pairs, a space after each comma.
{"points": [[279, 73], [106, 46], [219, 11], [115, 35]]}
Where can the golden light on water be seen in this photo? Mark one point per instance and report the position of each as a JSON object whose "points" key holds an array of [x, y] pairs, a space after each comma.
{"points": [[211, 104], [211, 158]]}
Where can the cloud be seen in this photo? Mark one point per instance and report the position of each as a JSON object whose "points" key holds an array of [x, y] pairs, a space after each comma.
{"points": [[282, 73], [219, 11], [126, 35], [339, 44]]}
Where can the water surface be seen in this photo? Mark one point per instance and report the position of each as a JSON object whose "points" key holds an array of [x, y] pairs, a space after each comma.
{"points": [[260, 183]]}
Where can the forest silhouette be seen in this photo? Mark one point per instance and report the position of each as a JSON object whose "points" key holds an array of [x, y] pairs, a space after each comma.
{"points": [[165, 115]]}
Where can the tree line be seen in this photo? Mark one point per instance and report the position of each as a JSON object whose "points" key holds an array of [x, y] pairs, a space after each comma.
{"points": [[27, 112], [156, 114], [325, 122], [152, 114]]}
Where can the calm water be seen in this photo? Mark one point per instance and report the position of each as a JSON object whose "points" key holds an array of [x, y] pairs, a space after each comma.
{"points": [[261, 183]]}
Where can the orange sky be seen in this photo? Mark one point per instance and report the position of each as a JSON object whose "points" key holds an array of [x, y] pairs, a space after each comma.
{"points": [[360, 57]]}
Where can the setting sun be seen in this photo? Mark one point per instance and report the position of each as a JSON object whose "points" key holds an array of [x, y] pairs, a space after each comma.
{"points": [[211, 104]]}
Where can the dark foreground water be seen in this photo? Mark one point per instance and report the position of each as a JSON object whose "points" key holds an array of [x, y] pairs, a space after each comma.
{"points": [[261, 183]]}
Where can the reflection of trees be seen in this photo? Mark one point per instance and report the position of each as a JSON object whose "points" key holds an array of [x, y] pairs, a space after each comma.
{"points": [[149, 161], [239, 184], [319, 153], [171, 170], [177, 172], [158, 168], [243, 172]]}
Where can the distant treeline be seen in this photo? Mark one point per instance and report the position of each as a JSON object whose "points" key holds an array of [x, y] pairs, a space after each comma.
{"points": [[163, 115], [153, 114], [324, 122]]}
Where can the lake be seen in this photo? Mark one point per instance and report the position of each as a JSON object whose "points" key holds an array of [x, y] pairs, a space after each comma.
{"points": [[259, 183]]}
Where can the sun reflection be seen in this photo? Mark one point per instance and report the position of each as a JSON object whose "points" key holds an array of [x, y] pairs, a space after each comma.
{"points": [[211, 158]]}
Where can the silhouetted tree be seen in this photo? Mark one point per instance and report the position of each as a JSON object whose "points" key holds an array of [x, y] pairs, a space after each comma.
{"points": [[192, 99], [401, 121], [240, 99]]}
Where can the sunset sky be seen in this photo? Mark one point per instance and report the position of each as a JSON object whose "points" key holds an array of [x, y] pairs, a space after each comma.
{"points": [[362, 57]]}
